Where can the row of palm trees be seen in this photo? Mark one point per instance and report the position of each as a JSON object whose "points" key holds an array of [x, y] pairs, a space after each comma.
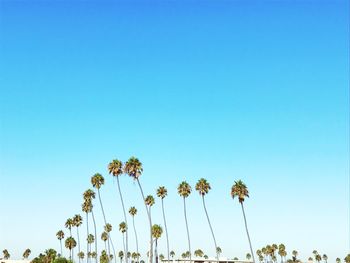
{"points": [[133, 168]]}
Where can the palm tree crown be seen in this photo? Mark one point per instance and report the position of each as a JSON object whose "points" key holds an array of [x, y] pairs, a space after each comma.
{"points": [[97, 180], [122, 227], [60, 235], [133, 211], [77, 220], [162, 192], [240, 190], [133, 167], [184, 189], [157, 231], [203, 186], [115, 167], [149, 200]]}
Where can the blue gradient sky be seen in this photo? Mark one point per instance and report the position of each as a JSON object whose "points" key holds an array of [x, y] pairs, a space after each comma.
{"points": [[226, 90]]}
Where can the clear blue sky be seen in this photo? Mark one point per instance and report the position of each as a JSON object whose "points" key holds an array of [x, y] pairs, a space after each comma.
{"points": [[226, 90]]}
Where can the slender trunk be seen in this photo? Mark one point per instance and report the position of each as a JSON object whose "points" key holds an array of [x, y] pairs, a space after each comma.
{"points": [[246, 228], [124, 243], [104, 219], [156, 251], [137, 242], [125, 219], [115, 259], [78, 244], [150, 223], [166, 230], [87, 234], [106, 247], [211, 228], [188, 233], [93, 219], [61, 247]]}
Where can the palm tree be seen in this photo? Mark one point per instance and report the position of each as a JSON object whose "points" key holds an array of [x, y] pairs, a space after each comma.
{"points": [[77, 221], [69, 224], [318, 257], [81, 255], [88, 208], [149, 201], [121, 255], [218, 251], [198, 253], [90, 239], [70, 243], [133, 212], [337, 260], [156, 233], [184, 190], [104, 237], [203, 188], [325, 258], [123, 229], [311, 259], [162, 193], [6, 254], [240, 190], [133, 167], [26, 253], [295, 255], [104, 257], [205, 256], [97, 181], [172, 254], [347, 258], [60, 236], [116, 169], [161, 257], [248, 256]]}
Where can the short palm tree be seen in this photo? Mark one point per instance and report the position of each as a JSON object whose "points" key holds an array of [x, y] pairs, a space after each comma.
{"points": [[184, 190], [104, 237], [198, 253], [218, 251], [70, 244], [115, 168], [311, 259], [248, 256], [172, 254], [325, 258], [133, 167], [60, 236], [81, 255], [162, 193], [240, 190], [133, 212], [6, 254], [26, 253], [318, 257], [77, 221], [123, 228], [156, 233], [121, 255], [203, 188], [337, 260]]}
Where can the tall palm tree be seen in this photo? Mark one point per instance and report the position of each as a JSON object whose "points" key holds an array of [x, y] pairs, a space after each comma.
{"points": [[26, 253], [240, 190], [203, 188], [97, 181], [133, 212], [77, 221], [70, 243], [60, 236], [156, 233], [133, 167], [184, 190], [116, 169], [69, 224], [162, 193]]}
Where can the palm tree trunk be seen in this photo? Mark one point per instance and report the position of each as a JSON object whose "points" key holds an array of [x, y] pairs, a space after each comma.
{"points": [[211, 228], [156, 250], [150, 224], [246, 229], [137, 242], [87, 234], [93, 219], [78, 243], [188, 233], [166, 230], [115, 259], [61, 247], [125, 219], [123, 243]]}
